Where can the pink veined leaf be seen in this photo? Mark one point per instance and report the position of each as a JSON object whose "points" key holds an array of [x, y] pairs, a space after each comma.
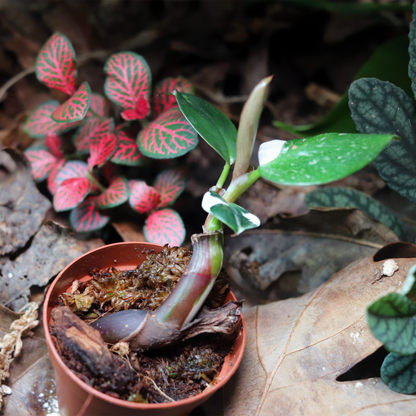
{"points": [[164, 101], [141, 110], [71, 193], [170, 184], [55, 64], [165, 226], [102, 150], [41, 162], [52, 185], [93, 129], [116, 194], [128, 152], [98, 105], [143, 198], [169, 136], [73, 169], [86, 216], [128, 79], [76, 107], [39, 123], [53, 143], [110, 172]]}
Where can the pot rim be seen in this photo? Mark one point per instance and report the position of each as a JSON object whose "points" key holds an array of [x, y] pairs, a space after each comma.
{"points": [[221, 380]]}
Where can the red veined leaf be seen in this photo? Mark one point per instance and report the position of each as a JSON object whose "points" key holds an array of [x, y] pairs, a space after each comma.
{"points": [[40, 123], [128, 79], [128, 152], [170, 184], [73, 169], [110, 172], [93, 129], [53, 143], [70, 193], [164, 101], [55, 64], [143, 198], [86, 216], [115, 195], [41, 162], [141, 110], [165, 226], [76, 107], [52, 185], [102, 150], [98, 105], [169, 136]]}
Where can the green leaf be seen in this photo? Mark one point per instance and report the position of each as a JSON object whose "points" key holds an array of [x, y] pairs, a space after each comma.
{"points": [[210, 123], [236, 217], [412, 50], [392, 321], [324, 158], [382, 108], [350, 198], [399, 373]]}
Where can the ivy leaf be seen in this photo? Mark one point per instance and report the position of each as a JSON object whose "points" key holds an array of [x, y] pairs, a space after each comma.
{"points": [[380, 107], [39, 123], [210, 123], [324, 158], [399, 373], [127, 152], [86, 217], [116, 194], [143, 198], [93, 130], [170, 184], [169, 136], [392, 320], [102, 150], [165, 226], [412, 50], [53, 143], [236, 217], [70, 193], [350, 198], [76, 107], [41, 162], [55, 64], [98, 105], [128, 79], [163, 97]]}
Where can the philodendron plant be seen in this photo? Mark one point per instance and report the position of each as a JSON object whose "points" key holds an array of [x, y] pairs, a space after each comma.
{"points": [[83, 172], [314, 160]]}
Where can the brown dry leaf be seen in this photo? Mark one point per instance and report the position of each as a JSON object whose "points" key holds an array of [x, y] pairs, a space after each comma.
{"points": [[129, 230], [52, 248], [22, 207], [297, 348]]}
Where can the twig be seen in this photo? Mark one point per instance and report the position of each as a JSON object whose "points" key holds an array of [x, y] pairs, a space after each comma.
{"points": [[158, 389], [15, 79]]}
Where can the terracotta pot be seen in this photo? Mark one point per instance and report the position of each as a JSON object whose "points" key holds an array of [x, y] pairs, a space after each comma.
{"points": [[76, 398]]}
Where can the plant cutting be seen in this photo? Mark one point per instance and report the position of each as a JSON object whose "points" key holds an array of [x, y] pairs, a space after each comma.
{"points": [[83, 172]]}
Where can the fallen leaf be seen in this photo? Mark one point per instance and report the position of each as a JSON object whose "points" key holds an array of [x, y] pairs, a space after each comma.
{"points": [[52, 248], [129, 230], [297, 348], [22, 207]]}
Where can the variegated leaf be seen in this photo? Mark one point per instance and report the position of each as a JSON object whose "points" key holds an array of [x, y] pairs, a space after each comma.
{"points": [[53, 143], [41, 162], [55, 64], [163, 97], [72, 169], [86, 217], [115, 195], [98, 106], [143, 198], [140, 111], [102, 150], [76, 107], [70, 193], [93, 129], [169, 136], [165, 226], [128, 79], [128, 152], [170, 184], [52, 184]]}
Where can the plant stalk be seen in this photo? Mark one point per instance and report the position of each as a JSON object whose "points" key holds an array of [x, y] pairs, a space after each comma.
{"points": [[95, 181]]}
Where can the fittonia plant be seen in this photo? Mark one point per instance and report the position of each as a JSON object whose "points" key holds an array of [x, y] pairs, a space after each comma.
{"points": [[315, 160], [76, 170]]}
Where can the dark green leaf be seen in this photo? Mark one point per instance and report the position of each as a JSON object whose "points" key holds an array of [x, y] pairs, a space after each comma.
{"points": [[399, 373], [412, 50], [324, 158], [382, 108], [350, 198], [392, 320], [210, 123]]}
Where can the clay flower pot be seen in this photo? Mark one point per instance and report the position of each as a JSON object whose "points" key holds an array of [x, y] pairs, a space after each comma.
{"points": [[75, 397]]}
